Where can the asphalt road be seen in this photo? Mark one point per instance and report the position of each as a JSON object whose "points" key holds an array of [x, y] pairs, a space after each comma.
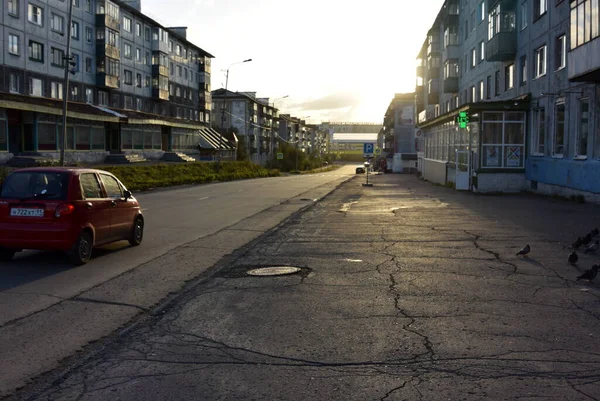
{"points": [[407, 291], [50, 310]]}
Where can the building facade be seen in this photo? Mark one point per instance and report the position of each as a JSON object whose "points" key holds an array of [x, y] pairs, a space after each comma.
{"points": [[135, 85], [401, 142], [502, 100]]}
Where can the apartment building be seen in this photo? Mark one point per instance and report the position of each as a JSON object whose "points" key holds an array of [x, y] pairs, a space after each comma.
{"points": [[505, 96], [399, 136], [136, 86]]}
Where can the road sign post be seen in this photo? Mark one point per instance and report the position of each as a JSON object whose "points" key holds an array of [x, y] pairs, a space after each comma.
{"points": [[368, 150]]}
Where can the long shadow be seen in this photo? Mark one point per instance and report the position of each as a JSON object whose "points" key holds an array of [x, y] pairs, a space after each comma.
{"points": [[30, 266]]}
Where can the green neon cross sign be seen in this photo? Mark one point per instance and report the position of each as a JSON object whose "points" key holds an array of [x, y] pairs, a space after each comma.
{"points": [[462, 119]]}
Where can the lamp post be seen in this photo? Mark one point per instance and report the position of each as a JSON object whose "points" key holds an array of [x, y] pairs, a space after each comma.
{"points": [[223, 111], [65, 93]]}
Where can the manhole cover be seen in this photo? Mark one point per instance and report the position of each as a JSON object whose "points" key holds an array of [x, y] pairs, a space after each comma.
{"points": [[273, 271]]}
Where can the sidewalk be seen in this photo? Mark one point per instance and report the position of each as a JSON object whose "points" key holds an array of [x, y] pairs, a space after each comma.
{"points": [[407, 291]]}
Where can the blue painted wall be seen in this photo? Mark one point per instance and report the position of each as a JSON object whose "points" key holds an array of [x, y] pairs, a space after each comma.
{"points": [[583, 175]]}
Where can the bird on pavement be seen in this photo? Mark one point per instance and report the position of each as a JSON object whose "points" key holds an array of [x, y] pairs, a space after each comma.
{"points": [[590, 274], [587, 239], [525, 250], [573, 258], [577, 243], [591, 248]]}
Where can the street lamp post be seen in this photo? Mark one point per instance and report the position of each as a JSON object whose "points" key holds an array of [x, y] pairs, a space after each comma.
{"points": [[223, 112], [65, 93]]}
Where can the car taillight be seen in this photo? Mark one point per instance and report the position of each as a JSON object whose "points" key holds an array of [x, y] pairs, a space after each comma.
{"points": [[64, 209]]}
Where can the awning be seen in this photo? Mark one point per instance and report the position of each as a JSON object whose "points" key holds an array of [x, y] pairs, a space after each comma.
{"points": [[211, 139]]}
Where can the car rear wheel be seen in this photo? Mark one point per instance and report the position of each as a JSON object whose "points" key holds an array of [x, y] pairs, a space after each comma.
{"points": [[137, 233], [6, 255], [82, 249]]}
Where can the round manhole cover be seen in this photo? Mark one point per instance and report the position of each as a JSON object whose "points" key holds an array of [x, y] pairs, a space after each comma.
{"points": [[273, 271]]}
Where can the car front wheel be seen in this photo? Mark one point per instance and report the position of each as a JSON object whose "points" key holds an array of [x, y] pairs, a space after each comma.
{"points": [[137, 233], [82, 249]]}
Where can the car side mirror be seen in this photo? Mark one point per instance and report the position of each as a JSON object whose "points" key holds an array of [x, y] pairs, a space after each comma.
{"points": [[127, 194]]}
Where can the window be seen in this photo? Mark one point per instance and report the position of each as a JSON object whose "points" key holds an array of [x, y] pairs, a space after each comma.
{"points": [[540, 62], [584, 128], [497, 83], [138, 80], [88, 65], [13, 44], [502, 139], [488, 89], [147, 33], [128, 102], [558, 144], [524, 15], [88, 6], [76, 3], [56, 90], [500, 20], [128, 77], [113, 189], [13, 8], [90, 187], [36, 51], [75, 30], [127, 24], [473, 94], [481, 51], [450, 69], [584, 22], [127, 50], [89, 34], [76, 60], [539, 132], [147, 81], [451, 36], [179, 71], [103, 98], [57, 23], [57, 57], [138, 29], [147, 58], [539, 8], [35, 15], [35, 87], [560, 52], [13, 83], [89, 95], [481, 12], [178, 50], [481, 90], [523, 70], [509, 77], [473, 58], [138, 55]]}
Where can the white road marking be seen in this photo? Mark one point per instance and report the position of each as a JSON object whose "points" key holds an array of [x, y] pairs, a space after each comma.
{"points": [[206, 197]]}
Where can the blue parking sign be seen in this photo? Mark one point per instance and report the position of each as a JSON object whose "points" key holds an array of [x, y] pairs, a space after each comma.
{"points": [[368, 148]]}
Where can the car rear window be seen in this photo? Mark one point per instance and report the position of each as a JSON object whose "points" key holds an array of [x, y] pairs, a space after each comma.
{"points": [[31, 185]]}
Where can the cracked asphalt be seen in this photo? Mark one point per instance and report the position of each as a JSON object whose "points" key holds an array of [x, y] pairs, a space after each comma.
{"points": [[408, 291]]}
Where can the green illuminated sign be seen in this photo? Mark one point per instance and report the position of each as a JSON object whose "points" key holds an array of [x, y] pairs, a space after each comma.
{"points": [[462, 119]]}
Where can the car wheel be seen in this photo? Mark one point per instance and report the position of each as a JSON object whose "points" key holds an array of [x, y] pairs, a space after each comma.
{"points": [[82, 249], [137, 233], [6, 255]]}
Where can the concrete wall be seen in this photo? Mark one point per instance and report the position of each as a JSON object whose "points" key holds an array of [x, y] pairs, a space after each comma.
{"points": [[500, 182], [579, 175], [548, 189], [434, 171]]}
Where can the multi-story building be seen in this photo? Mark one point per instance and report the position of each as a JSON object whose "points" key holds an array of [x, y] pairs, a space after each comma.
{"points": [[255, 120], [506, 97], [400, 142], [135, 86]]}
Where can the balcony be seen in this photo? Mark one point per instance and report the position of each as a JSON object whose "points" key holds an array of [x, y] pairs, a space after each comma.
{"points": [[106, 21], [420, 100], [107, 81], [451, 52], [433, 47], [433, 91], [161, 94], [104, 49], [451, 85], [584, 62], [160, 70], [502, 47]]}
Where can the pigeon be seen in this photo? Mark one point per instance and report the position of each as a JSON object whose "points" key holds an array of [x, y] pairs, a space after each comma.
{"points": [[525, 250], [587, 239], [591, 248], [590, 274], [595, 232], [573, 258], [577, 243]]}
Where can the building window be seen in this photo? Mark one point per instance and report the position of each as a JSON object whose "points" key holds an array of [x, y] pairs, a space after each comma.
{"points": [[76, 3], [75, 30], [539, 8], [138, 29], [13, 8], [503, 139], [148, 60], [523, 70], [558, 144], [473, 94], [481, 90], [524, 15], [147, 83], [138, 80], [488, 88], [540, 62], [128, 102], [89, 34], [13, 44], [450, 70], [88, 6], [127, 50], [509, 77], [147, 34], [539, 132], [179, 71], [36, 51], [57, 57], [451, 36], [127, 24], [128, 77], [13, 83], [88, 65], [584, 22], [497, 83], [481, 51], [89, 95], [56, 90], [584, 128], [57, 23], [138, 55], [35, 87], [76, 61], [103, 98], [561, 52], [473, 58], [481, 12], [35, 15]]}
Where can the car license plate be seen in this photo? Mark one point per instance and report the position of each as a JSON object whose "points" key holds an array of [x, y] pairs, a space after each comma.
{"points": [[19, 211]]}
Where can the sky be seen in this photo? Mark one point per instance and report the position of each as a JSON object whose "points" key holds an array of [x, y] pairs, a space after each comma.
{"points": [[335, 60]]}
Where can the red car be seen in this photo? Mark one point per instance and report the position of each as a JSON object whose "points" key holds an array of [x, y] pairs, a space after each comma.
{"points": [[66, 209]]}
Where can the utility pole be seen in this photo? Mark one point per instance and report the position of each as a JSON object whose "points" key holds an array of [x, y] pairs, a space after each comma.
{"points": [[68, 60]]}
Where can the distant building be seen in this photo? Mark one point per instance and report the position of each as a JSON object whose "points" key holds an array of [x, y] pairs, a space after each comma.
{"points": [[349, 137], [399, 135]]}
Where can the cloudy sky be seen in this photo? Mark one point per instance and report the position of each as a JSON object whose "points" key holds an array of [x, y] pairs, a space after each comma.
{"points": [[335, 60]]}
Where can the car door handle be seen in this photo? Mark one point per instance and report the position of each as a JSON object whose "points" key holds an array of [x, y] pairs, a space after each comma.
{"points": [[113, 204], [88, 205]]}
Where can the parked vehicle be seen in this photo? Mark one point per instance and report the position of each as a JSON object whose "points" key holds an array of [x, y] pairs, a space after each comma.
{"points": [[66, 209], [360, 170]]}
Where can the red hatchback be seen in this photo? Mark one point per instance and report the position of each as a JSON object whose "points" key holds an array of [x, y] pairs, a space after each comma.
{"points": [[66, 209]]}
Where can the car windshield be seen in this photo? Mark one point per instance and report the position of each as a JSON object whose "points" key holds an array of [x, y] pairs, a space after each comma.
{"points": [[25, 185]]}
